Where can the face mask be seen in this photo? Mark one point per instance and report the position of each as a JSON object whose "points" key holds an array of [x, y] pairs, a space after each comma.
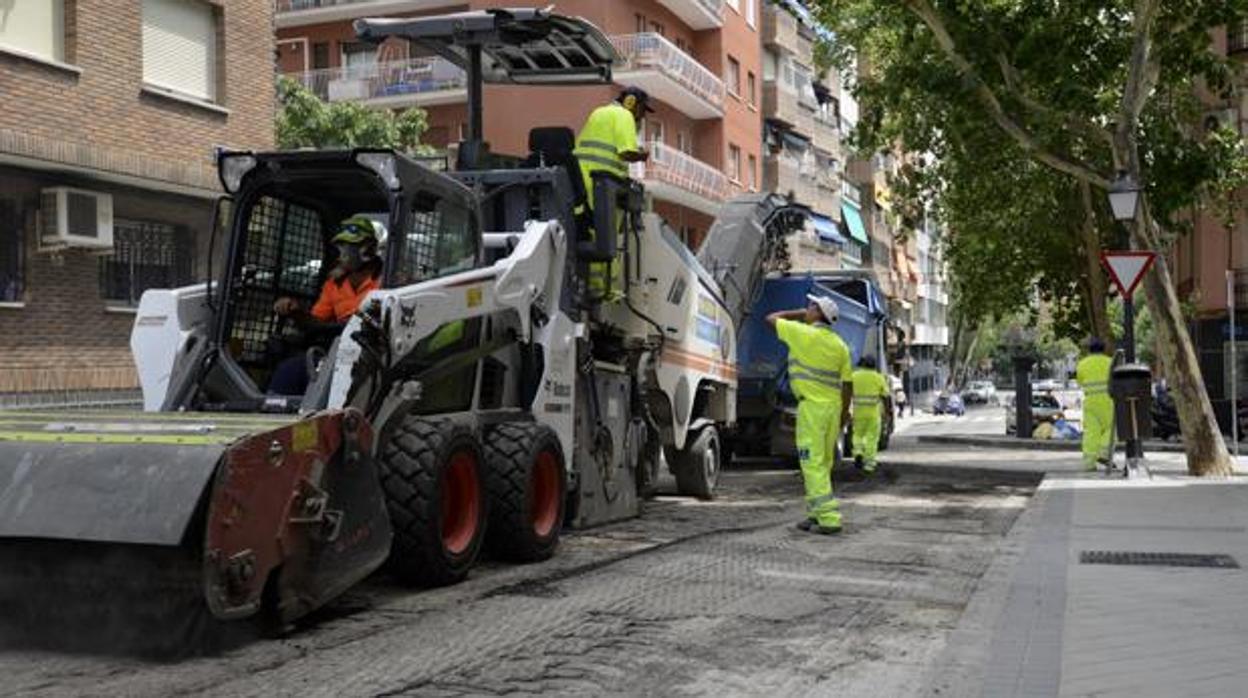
{"points": [[350, 257]]}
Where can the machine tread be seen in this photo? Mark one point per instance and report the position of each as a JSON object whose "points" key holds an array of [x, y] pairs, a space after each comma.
{"points": [[410, 463], [511, 449]]}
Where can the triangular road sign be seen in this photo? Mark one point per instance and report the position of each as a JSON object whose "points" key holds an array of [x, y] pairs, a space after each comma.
{"points": [[1127, 268]]}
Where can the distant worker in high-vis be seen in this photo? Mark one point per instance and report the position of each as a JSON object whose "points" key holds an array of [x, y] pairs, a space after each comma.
{"points": [[1092, 373], [870, 401], [820, 373]]}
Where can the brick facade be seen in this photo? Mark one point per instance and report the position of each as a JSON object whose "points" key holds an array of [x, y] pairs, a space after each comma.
{"points": [[91, 123]]}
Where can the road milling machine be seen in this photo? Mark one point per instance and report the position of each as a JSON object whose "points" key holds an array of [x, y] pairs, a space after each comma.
{"points": [[483, 396]]}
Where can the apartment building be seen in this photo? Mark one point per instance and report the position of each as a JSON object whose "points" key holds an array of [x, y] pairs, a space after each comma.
{"points": [[803, 122], [112, 113], [699, 59]]}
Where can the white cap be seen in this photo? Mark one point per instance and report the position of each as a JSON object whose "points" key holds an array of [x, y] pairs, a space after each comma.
{"points": [[827, 306]]}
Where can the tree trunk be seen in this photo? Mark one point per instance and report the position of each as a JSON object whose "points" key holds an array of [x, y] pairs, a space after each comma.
{"points": [[958, 324], [1202, 440], [1097, 284]]}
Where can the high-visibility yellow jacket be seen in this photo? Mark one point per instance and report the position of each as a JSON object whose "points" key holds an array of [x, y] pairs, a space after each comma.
{"points": [[819, 360], [610, 130], [1092, 373], [870, 389]]}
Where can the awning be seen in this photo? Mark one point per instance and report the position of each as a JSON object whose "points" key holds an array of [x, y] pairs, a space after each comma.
{"points": [[827, 229], [853, 219]]}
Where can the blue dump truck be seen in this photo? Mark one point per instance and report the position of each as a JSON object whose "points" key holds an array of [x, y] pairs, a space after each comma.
{"points": [[766, 407]]}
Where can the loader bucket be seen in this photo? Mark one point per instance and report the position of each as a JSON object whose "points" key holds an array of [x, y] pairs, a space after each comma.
{"points": [[259, 507]]}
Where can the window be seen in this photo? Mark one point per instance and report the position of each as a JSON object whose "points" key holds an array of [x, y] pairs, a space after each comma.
{"points": [[655, 131], [751, 87], [734, 163], [658, 28], [320, 55], [752, 175], [750, 13], [359, 58], [145, 255], [12, 258], [771, 64], [734, 76], [180, 47], [683, 142], [1237, 37], [35, 28], [438, 242], [641, 23]]}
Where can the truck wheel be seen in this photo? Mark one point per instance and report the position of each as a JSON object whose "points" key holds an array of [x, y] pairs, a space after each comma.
{"points": [[697, 467], [526, 484], [432, 479]]}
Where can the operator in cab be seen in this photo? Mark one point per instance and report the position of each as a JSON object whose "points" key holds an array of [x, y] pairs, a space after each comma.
{"points": [[1092, 373], [356, 273], [608, 142], [820, 373]]}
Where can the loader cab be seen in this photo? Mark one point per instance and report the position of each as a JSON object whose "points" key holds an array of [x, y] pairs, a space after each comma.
{"points": [[287, 209]]}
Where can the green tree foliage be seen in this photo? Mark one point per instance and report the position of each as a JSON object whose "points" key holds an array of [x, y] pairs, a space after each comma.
{"points": [[306, 121]]}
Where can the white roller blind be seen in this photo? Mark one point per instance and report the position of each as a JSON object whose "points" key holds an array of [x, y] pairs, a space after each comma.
{"points": [[180, 46], [36, 27]]}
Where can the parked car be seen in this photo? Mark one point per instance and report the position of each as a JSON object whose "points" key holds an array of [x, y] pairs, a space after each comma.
{"points": [[949, 404], [979, 392], [1044, 408], [1046, 385]]}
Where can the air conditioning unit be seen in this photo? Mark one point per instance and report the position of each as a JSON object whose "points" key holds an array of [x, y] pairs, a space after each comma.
{"points": [[76, 218]]}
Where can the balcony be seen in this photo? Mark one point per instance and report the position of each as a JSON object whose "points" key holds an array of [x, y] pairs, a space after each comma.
{"points": [[698, 14], [783, 105], [298, 13], [784, 174], [784, 32], [670, 175], [654, 64], [825, 132], [415, 82]]}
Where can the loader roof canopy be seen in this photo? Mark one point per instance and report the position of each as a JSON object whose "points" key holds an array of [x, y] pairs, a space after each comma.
{"points": [[518, 46]]}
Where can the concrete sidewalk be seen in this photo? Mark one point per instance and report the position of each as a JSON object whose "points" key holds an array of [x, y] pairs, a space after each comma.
{"points": [[1046, 622], [1013, 442]]}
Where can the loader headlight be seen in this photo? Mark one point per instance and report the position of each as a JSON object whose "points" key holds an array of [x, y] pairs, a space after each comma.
{"points": [[384, 165], [232, 167]]}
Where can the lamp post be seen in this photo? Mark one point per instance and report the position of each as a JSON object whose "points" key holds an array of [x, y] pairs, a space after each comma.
{"points": [[1124, 200]]}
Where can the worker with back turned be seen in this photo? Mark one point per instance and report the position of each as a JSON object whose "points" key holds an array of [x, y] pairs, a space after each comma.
{"points": [[820, 373], [870, 401], [1092, 373]]}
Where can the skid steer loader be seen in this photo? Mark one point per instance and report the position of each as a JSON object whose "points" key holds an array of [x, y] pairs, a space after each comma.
{"points": [[484, 395]]}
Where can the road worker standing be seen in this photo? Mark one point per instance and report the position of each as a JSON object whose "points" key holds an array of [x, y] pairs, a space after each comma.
{"points": [[1092, 373], [820, 374], [870, 400]]}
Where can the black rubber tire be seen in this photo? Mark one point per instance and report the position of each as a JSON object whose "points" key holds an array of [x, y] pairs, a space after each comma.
{"points": [[512, 452], [413, 463], [691, 468]]}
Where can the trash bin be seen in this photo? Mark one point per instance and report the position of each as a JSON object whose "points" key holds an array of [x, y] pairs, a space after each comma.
{"points": [[1131, 386]]}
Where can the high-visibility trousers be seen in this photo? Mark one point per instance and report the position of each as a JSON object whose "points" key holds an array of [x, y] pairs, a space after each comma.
{"points": [[818, 429], [867, 426], [1098, 424]]}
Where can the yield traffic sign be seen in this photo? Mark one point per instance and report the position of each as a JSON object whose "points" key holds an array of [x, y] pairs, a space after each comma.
{"points": [[1127, 268]]}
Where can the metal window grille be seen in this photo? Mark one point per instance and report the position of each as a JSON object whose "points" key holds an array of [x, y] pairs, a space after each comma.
{"points": [[1237, 37], [145, 255], [12, 254], [437, 243], [283, 253]]}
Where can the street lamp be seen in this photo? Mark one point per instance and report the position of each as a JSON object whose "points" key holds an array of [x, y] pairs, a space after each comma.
{"points": [[1124, 196]]}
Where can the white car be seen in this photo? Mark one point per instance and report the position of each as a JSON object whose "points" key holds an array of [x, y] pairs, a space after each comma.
{"points": [[983, 392], [1044, 408]]}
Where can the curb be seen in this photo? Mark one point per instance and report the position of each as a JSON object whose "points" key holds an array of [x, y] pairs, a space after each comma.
{"points": [[1010, 442]]}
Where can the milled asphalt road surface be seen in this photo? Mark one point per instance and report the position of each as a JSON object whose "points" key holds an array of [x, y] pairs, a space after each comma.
{"points": [[694, 598]]}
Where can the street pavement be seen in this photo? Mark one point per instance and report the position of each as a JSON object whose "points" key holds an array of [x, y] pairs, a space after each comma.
{"points": [[959, 574]]}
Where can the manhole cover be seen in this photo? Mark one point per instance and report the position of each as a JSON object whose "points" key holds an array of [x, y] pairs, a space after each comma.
{"points": [[1126, 557]]}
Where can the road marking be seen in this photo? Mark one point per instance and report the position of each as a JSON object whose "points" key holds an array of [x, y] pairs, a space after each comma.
{"points": [[840, 579]]}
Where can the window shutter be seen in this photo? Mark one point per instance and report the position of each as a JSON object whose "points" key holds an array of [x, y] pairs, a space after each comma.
{"points": [[37, 28], [180, 47]]}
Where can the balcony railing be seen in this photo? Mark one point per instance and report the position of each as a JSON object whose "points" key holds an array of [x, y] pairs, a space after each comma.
{"points": [[652, 51], [292, 5], [671, 166], [411, 77]]}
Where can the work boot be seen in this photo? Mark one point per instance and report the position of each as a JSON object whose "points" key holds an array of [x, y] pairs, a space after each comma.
{"points": [[827, 530], [869, 469], [858, 462], [805, 524]]}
